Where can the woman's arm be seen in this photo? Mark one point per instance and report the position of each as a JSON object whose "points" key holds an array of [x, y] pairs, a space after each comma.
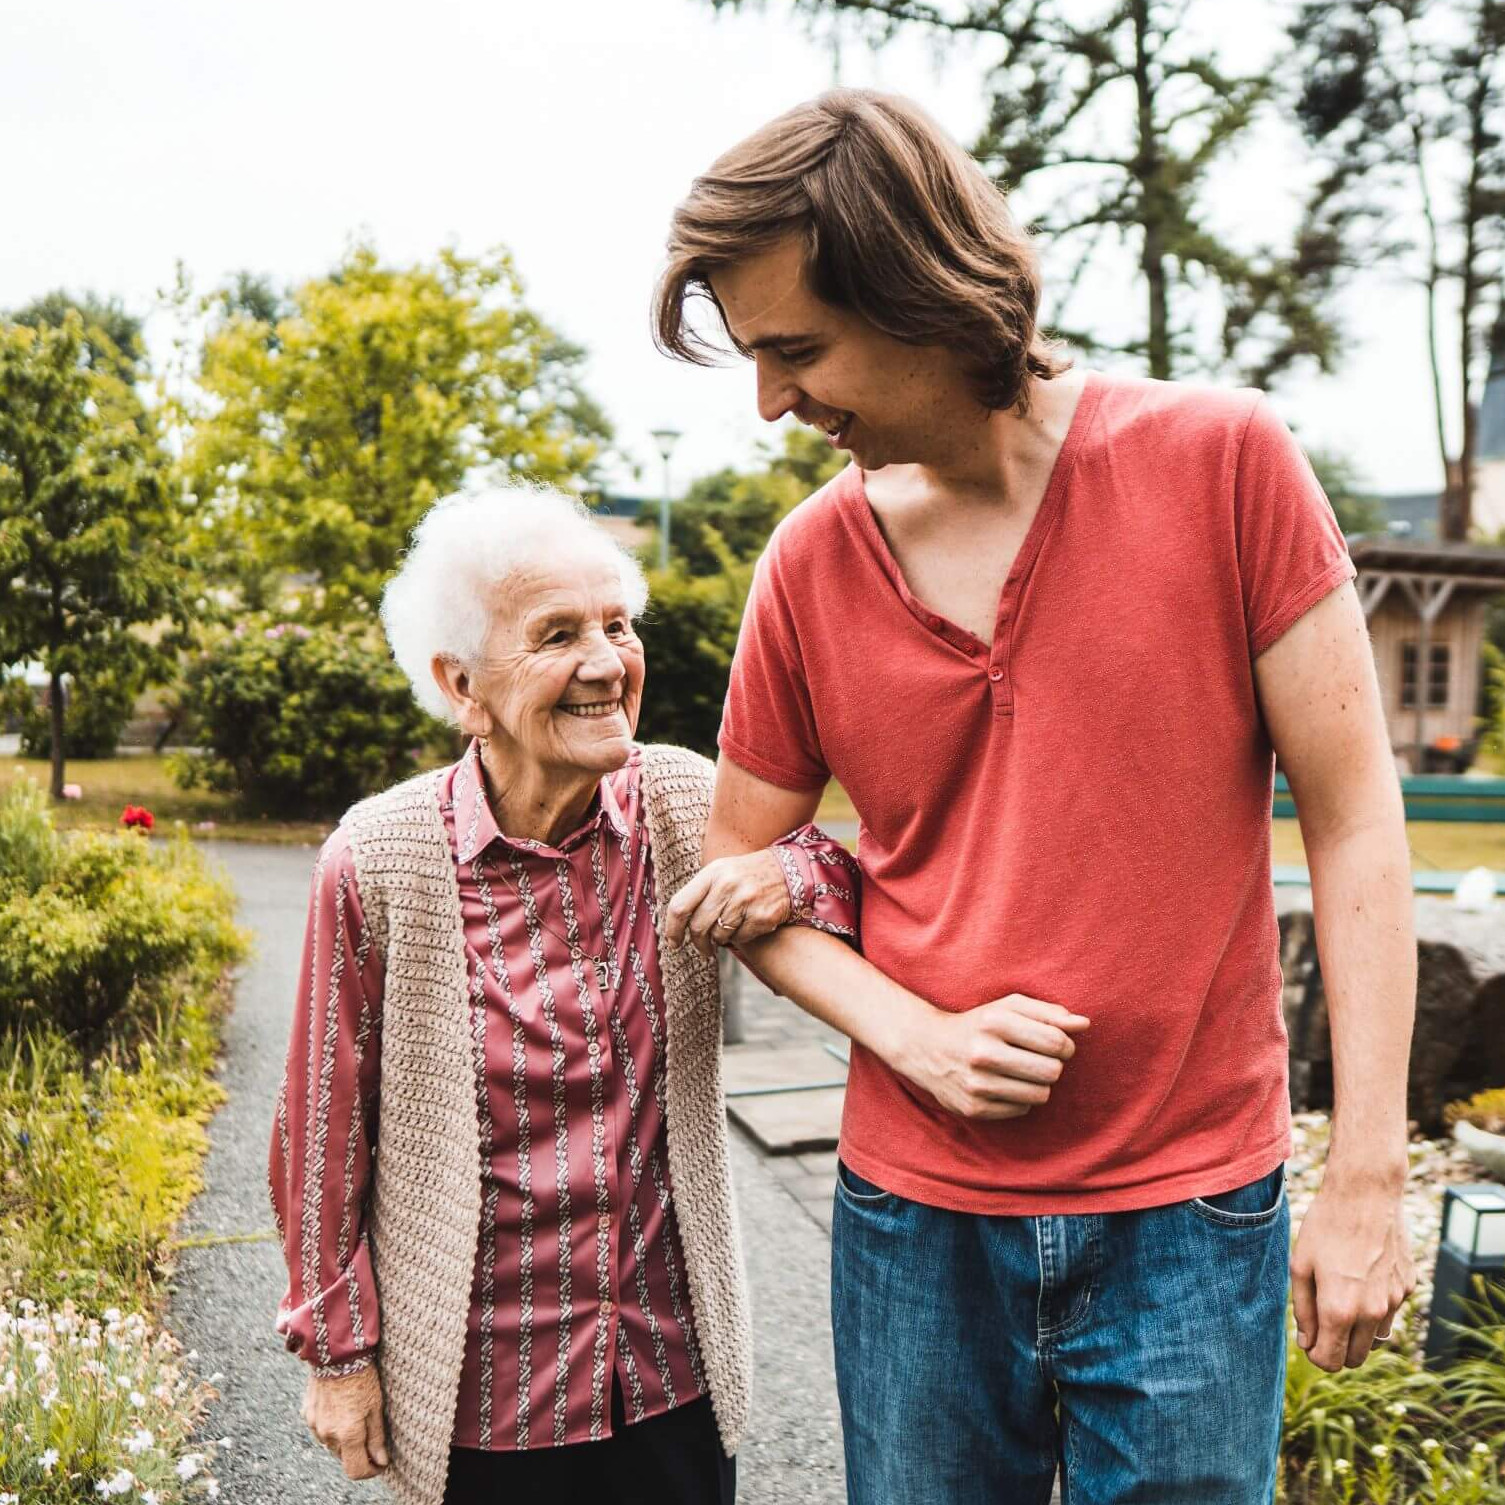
{"points": [[320, 1163]]}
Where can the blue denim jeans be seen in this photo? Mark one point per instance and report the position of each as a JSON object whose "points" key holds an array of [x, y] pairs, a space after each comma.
{"points": [[1143, 1352]]}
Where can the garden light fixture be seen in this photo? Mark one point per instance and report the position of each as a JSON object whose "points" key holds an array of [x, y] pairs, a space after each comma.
{"points": [[1472, 1250]]}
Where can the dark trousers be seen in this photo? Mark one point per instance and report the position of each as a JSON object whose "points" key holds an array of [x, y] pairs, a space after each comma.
{"points": [[671, 1459]]}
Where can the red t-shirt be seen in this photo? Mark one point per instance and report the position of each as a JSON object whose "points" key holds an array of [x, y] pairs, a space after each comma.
{"points": [[1078, 810]]}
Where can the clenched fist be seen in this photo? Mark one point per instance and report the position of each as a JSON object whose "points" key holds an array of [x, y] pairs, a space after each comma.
{"points": [[998, 1060], [344, 1413]]}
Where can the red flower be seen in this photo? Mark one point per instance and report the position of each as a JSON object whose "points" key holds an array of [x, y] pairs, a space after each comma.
{"points": [[137, 817]]}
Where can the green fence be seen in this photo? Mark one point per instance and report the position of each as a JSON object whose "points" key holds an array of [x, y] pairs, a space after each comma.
{"points": [[1431, 797]]}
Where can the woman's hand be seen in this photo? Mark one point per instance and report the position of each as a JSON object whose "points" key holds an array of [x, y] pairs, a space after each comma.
{"points": [[729, 902], [344, 1413]]}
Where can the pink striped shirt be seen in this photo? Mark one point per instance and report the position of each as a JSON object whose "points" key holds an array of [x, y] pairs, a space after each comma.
{"points": [[579, 1276]]}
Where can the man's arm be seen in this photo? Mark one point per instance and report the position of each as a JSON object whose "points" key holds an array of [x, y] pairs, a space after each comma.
{"points": [[994, 1061], [1352, 1266]]}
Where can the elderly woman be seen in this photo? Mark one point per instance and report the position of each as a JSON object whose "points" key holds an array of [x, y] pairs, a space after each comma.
{"points": [[499, 1160]]}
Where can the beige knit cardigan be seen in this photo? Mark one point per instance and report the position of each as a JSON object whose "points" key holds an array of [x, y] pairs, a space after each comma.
{"points": [[426, 1195]]}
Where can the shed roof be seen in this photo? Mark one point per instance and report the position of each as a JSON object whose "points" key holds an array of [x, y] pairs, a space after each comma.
{"points": [[1473, 563]]}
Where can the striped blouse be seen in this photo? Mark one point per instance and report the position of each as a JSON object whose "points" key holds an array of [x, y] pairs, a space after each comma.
{"points": [[579, 1281]]}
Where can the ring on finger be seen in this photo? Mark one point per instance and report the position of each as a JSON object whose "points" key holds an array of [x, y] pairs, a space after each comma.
{"points": [[722, 923]]}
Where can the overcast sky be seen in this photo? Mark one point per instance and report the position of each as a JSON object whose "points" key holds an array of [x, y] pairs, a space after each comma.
{"points": [[266, 136]]}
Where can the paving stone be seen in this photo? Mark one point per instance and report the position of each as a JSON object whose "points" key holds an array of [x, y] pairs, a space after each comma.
{"points": [[820, 1163], [787, 1123], [774, 1066]]}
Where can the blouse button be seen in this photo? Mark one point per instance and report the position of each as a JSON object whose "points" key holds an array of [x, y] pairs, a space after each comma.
{"points": [[995, 674]]}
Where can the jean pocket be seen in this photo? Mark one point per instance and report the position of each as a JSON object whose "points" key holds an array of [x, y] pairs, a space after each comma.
{"points": [[1255, 1205], [858, 1190]]}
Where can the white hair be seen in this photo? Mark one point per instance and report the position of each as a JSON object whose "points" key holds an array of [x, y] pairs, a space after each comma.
{"points": [[439, 602]]}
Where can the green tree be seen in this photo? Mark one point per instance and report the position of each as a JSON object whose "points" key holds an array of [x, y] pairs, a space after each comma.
{"points": [[1405, 102], [1113, 118], [689, 634], [325, 422], [1339, 478], [112, 336], [91, 559], [729, 514]]}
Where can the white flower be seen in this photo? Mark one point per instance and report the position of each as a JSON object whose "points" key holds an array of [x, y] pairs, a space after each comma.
{"points": [[150, 1497], [137, 1398], [1341, 1466], [139, 1442], [10, 1500], [49, 1400], [1380, 1450], [1480, 1450], [1429, 1444], [121, 1483], [212, 1489], [1398, 1409], [112, 1316], [188, 1465], [48, 1460]]}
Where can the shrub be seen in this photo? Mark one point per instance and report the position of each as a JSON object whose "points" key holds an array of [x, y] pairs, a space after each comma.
{"points": [[28, 843], [93, 1408], [97, 1164], [689, 634], [1391, 1431], [94, 715], [100, 931], [300, 720], [1485, 1110]]}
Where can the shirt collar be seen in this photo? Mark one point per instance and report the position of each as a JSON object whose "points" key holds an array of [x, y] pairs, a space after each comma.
{"points": [[476, 827]]}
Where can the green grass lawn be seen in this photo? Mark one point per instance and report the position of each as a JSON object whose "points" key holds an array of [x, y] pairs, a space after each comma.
{"points": [[1448, 846], [110, 784]]}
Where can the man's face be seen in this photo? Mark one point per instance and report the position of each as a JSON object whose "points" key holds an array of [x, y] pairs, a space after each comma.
{"points": [[882, 401]]}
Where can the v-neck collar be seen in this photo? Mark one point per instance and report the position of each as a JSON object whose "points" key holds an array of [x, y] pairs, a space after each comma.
{"points": [[1056, 486]]}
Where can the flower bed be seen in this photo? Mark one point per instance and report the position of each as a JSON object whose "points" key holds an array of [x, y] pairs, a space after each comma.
{"points": [[114, 953], [97, 1407], [1393, 1432]]}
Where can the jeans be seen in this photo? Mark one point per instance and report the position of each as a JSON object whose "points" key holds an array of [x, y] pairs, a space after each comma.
{"points": [[1143, 1352]]}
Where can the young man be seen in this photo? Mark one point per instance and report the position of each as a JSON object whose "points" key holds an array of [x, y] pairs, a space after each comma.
{"points": [[1048, 631]]}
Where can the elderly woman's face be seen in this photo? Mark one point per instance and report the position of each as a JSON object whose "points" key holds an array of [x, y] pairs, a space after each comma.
{"points": [[561, 673]]}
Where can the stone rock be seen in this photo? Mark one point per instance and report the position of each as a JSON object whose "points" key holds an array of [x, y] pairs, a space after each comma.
{"points": [[1446, 993], [1458, 1046]]}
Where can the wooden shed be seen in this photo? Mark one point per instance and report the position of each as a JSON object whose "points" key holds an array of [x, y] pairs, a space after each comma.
{"points": [[1425, 604]]}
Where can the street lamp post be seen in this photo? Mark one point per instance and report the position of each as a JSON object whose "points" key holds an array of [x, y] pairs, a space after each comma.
{"points": [[666, 439]]}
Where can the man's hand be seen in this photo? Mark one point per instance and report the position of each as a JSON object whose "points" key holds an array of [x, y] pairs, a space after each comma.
{"points": [[344, 1413], [729, 902], [998, 1060], [1350, 1271]]}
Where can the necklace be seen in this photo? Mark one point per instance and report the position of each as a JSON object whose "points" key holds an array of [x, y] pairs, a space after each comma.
{"points": [[578, 953]]}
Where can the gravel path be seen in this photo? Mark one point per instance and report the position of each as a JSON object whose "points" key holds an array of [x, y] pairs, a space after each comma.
{"points": [[226, 1294]]}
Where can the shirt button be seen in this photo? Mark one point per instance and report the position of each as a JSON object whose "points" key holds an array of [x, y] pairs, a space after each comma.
{"points": [[995, 674], [606, 1308], [603, 1222]]}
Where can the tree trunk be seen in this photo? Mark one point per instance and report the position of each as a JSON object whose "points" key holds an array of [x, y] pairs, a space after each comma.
{"points": [[1452, 514], [1148, 170], [55, 708]]}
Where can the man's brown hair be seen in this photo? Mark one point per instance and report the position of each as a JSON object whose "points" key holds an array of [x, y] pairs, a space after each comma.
{"points": [[900, 226]]}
